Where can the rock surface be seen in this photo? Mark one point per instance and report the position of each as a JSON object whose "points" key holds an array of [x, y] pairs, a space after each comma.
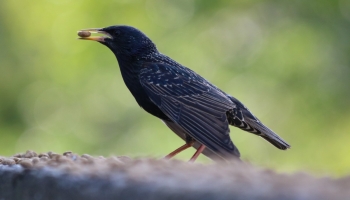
{"points": [[70, 176]]}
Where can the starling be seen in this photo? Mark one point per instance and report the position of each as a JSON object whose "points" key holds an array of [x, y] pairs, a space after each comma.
{"points": [[192, 107]]}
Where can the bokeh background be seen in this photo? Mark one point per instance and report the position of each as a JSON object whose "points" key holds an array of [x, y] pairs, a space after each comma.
{"points": [[288, 61]]}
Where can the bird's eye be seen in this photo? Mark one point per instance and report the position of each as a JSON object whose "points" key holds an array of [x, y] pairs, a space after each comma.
{"points": [[117, 32]]}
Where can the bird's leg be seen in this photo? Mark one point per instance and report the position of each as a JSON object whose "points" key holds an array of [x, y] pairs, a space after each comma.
{"points": [[198, 152], [189, 142], [178, 150]]}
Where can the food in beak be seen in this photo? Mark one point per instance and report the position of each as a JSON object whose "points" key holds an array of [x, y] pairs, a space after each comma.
{"points": [[84, 34]]}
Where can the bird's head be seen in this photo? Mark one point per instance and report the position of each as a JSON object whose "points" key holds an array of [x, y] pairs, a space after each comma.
{"points": [[122, 40]]}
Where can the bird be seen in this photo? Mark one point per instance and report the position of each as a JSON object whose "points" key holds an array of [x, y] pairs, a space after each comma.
{"points": [[193, 108]]}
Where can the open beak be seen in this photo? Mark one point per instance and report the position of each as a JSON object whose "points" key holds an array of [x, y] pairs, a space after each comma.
{"points": [[85, 34]]}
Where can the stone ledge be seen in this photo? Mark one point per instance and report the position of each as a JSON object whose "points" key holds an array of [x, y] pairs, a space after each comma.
{"points": [[70, 176]]}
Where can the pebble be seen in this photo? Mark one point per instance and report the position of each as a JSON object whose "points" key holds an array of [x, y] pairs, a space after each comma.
{"points": [[8, 162], [67, 153], [43, 155], [26, 163]]}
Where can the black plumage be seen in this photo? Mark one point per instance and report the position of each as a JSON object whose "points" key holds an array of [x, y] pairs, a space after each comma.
{"points": [[196, 110]]}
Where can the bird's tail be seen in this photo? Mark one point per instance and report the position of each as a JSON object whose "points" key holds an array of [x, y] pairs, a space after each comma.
{"points": [[267, 134], [279, 143], [242, 118]]}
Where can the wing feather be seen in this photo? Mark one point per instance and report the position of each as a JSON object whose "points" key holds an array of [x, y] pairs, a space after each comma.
{"points": [[192, 103]]}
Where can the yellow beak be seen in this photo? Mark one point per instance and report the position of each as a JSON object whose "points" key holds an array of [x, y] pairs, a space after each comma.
{"points": [[85, 34]]}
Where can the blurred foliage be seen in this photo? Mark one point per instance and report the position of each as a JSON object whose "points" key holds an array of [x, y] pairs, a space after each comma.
{"points": [[288, 61]]}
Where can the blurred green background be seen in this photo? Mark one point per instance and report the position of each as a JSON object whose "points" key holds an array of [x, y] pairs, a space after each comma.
{"points": [[288, 61]]}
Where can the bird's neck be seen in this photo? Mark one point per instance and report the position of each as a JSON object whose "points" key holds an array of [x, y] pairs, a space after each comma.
{"points": [[132, 62], [130, 55]]}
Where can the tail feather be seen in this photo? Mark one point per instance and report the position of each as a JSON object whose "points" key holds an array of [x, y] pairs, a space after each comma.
{"points": [[268, 134], [242, 118], [281, 144]]}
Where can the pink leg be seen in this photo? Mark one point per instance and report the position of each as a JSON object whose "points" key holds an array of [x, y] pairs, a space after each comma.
{"points": [[198, 152], [178, 150]]}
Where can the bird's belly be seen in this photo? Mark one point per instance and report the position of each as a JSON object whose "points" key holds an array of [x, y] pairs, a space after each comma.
{"points": [[151, 108]]}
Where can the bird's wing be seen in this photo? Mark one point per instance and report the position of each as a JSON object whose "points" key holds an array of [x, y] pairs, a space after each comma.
{"points": [[192, 103]]}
